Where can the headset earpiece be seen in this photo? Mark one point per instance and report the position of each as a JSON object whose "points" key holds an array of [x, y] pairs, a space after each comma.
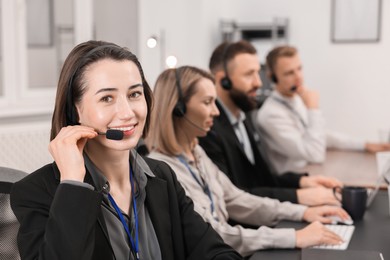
{"points": [[180, 108], [274, 78], [226, 83]]}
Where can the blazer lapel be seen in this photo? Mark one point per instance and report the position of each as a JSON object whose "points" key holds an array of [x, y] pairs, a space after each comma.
{"points": [[157, 203]]}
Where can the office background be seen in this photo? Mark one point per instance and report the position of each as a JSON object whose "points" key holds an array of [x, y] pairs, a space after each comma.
{"points": [[352, 78]]}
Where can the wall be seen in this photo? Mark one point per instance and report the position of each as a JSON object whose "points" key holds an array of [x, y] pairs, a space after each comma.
{"points": [[24, 138], [191, 31], [351, 78], [116, 21]]}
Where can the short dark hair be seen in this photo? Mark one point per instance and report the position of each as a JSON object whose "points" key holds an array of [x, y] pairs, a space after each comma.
{"points": [[71, 85], [226, 51], [278, 52]]}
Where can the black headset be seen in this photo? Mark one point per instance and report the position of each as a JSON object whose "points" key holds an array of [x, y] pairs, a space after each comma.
{"points": [[226, 83], [69, 106], [180, 108], [273, 77]]}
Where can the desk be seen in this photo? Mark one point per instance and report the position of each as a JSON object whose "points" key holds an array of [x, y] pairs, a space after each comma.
{"points": [[371, 233], [352, 168]]}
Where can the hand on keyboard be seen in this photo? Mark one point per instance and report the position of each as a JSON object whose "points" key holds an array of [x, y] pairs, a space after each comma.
{"points": [[337, 220], [316, 234], [322, 213], [345, 232]]}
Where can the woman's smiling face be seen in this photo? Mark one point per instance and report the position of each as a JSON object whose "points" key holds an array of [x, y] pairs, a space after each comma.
{"points": [[113, 99]]}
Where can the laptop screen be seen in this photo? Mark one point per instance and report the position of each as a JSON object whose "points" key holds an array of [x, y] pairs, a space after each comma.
{"points": [[384, 176]]}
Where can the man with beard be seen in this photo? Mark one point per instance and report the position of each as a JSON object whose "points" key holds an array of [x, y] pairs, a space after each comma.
{"points": [[231, 143]]}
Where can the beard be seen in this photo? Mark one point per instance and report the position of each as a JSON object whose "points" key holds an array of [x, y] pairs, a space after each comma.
{"points": [[242, 101]]}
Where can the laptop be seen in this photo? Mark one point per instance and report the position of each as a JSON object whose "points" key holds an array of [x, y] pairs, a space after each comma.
{"points": [[384, 175]]}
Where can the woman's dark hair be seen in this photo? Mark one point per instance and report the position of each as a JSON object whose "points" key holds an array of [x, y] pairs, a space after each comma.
{"points": [[71, 85]]}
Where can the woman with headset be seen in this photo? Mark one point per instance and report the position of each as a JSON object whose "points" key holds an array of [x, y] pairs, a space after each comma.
{"points": [[184, 110], [99, 199]]}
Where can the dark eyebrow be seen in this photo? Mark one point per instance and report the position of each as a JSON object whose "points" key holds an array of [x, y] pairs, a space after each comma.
{"points": [[136, 85], [115, 89]]}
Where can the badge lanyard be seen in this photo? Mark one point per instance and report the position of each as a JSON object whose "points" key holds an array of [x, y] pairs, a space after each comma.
{"points": [[134, 244], [204, 186]]}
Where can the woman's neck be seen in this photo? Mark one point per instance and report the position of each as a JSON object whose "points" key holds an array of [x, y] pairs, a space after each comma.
{"points": [[189, 152], [187, 144], [114, 165]]}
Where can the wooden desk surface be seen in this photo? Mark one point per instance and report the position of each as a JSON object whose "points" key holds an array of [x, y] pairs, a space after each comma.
{"points": [[352, 168]]}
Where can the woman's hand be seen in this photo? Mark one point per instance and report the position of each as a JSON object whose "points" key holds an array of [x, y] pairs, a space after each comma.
{"points": [[316, 234], [67, 150], [322, 214]]}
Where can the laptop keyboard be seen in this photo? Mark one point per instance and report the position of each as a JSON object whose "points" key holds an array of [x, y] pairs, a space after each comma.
{"points": [[344, 231]]}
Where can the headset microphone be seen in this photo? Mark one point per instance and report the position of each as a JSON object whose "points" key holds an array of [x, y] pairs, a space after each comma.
{"points": [[293, 88], [195, 125], [113, 134]]}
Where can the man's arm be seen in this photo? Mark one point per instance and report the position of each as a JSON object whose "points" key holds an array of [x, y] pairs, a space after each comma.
{"points": [[214, 148]]}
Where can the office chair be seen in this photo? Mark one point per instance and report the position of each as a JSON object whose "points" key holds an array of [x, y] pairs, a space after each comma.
{"points": [[9, 225]]}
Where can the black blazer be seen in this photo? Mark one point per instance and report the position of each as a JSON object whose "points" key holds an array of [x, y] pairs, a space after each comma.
{"points": [[223, 147], [66, 222]]}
